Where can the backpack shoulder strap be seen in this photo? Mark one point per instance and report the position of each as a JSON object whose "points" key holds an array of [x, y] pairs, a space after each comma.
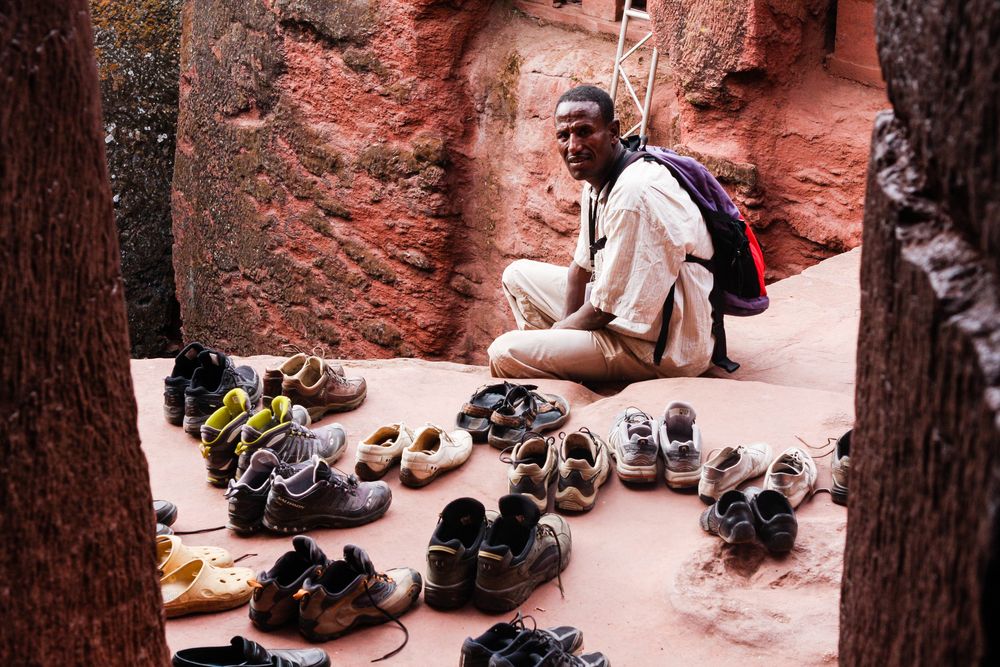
{"points": [[624, 160]]}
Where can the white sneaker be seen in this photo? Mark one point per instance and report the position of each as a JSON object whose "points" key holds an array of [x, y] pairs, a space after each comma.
{"points": [[433, 452], [731, 467], [379, 451], [793, 474], [635, 446], [680, 442]]}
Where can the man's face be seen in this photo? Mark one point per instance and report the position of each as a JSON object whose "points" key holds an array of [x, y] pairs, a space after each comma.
{"points": [[587, 144]]}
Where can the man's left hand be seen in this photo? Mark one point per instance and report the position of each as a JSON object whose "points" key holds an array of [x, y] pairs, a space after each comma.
{"points": [[586, 318]]}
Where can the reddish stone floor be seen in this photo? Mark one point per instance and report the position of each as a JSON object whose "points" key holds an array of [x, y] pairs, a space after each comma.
{"points": [[645, 584]]}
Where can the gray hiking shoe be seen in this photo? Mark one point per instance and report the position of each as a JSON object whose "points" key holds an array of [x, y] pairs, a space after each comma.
{"points": [[282, 429], [521, 550], [321, 497], [248, 496], [680, 441], [635, 443]]}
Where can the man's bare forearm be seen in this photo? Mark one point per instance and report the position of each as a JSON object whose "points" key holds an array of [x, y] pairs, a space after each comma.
{"points": [[576, 288]]}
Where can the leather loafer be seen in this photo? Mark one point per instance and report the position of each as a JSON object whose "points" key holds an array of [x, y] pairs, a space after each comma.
{"points": [[246, 653]]}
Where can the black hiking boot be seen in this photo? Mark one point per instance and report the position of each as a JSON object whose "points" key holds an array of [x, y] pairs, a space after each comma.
{"points": [[273, 604], [215, 377]]}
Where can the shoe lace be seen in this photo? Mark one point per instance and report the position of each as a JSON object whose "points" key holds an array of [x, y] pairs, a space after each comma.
{"points": [[392, 617], [300, 430], [633, 415], [829, 441], [545, 528]]}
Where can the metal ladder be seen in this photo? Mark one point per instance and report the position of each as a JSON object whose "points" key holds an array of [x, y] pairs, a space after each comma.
{"points": [[620, 57]]}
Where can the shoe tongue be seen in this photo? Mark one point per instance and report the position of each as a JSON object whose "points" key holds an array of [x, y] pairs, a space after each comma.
{"points": [[212, 358], [251, 650], [464, 512], [358, 559], [516, 507], [308, 550], [281, 409], [237, 401], [263, 459]]}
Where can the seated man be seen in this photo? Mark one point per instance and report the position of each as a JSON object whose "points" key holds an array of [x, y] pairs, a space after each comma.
{"points": [[599, 320]]}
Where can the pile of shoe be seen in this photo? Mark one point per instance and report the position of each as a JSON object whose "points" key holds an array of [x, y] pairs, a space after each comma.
{"points": [[293, 498], [330, 598], [739, 516], [638, 441], [201, 377], [503, 413], [512, 644], [423, 455], [199, 579], [235, 431], [498, 560], [580, 462], [241, 652]]}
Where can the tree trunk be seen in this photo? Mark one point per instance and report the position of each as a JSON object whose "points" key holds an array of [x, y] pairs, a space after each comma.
{"points": [[923, 534], [78, 583]]}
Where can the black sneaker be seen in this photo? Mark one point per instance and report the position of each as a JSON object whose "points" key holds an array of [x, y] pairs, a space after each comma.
{"points": [[730, 518], [215, 376], [506, 637], [273, 604], [321, 497], [175, 384], [248, 496], [452, 552], [540, 653], [774, 518], [521, 550], [246, 653], [351, 594]]}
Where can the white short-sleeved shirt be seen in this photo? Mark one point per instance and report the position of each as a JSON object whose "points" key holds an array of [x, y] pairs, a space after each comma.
{"points": [[651, 224]]}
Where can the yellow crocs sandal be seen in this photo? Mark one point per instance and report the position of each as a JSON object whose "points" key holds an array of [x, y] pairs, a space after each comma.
{"points": [[197, 587], [171, 554]]}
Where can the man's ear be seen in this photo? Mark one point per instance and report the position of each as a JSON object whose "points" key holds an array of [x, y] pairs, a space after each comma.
{"points": [[615, 127]]}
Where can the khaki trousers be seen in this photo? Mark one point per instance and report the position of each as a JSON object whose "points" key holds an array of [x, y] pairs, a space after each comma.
{"points": [[537, 294]]}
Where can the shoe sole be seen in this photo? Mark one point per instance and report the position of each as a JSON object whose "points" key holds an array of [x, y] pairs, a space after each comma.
{"points": [[242, 529], [498, 601], [682, 480], [318, 412], [839, 494], [367, 473], [448, 597], [572, 499], [408, 478], [310, 523], [636, 474], [199, 606]]}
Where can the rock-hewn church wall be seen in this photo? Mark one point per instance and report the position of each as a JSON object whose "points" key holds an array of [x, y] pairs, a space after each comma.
{"points": [[137, 46], [358, 174]]}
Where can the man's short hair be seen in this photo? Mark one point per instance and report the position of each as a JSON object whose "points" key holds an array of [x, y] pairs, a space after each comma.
{"points": [[591, 94]]}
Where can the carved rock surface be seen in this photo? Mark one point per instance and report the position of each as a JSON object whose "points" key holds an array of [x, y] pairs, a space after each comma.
{"points": [[137, 45]]}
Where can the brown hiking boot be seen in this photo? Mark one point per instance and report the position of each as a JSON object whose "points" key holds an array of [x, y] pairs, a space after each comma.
{"points": [[275, 375], [521, 550], [319, 389]]}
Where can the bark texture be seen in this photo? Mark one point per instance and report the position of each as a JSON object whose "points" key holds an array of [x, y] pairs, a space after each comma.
{"points": [[921, 562], [78, 581]]}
